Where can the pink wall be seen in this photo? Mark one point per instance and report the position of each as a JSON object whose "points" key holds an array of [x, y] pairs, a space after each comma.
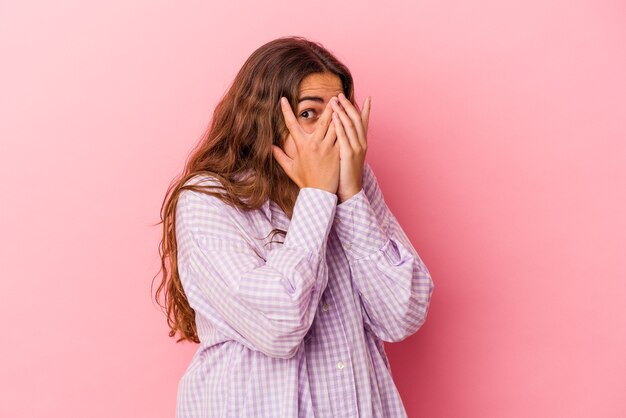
{"points": [[497, 132]]}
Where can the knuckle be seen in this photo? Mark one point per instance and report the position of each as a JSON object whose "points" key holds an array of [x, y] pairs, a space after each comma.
{"points": [[313, 145]]}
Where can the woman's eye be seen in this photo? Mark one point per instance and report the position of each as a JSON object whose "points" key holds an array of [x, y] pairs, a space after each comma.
{"points": [[307, 114]]}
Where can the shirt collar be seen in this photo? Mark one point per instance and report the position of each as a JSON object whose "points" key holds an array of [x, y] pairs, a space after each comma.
{"points": [[266, 209]]}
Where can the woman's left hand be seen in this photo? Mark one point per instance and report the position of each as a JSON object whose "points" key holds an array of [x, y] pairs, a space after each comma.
{"points": [[351, 127]]}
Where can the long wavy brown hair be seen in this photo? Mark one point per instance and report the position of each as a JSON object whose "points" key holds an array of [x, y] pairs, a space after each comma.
{"points": [[245, 124]]}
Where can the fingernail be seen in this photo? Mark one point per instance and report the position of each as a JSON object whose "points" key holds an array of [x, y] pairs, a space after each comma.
{"points": [[342, 96]]}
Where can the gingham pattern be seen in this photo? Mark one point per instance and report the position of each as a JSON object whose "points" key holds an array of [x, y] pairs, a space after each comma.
{"points": [[297, 329]]}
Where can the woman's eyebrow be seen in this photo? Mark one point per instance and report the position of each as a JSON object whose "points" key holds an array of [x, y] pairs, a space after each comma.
{"points": [[314, 98]]}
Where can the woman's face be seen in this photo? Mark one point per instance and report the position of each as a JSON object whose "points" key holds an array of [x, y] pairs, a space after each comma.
{"points": [[315, 91]]}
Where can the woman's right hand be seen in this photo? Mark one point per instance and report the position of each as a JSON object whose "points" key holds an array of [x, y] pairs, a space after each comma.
{"points": [[316, 159]]}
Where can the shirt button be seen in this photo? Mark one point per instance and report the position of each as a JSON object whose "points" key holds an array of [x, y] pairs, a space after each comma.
{"points": [[325, 307], [340, 365], [348, 246]]}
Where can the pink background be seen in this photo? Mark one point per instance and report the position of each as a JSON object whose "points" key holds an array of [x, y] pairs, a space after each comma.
{"points": [[498, 134]]}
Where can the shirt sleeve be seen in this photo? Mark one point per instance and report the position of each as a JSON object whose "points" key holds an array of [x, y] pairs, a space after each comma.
{"points": [[267, 305], [393, 283]]}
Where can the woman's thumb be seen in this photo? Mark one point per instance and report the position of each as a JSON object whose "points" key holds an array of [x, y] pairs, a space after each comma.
{"points": [[282, 158]]}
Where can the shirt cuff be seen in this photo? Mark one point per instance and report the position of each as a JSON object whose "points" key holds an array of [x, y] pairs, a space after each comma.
{"points": [[357, 227], [311, 220]]}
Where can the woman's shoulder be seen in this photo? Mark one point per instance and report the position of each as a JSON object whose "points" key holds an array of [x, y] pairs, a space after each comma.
{"points": [[206, 178], [201, 196], [198, 200], [203, 179], [216, 223]]}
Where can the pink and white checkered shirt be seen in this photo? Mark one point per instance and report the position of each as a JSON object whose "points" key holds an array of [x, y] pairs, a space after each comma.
{"points": [[297, 329]]}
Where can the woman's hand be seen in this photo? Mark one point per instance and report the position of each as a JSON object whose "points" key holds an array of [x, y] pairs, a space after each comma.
{"points": [[316, 159], [351, 127]]}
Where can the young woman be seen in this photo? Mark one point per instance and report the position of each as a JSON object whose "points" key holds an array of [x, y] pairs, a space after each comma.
{"points": [[292, 327]]}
